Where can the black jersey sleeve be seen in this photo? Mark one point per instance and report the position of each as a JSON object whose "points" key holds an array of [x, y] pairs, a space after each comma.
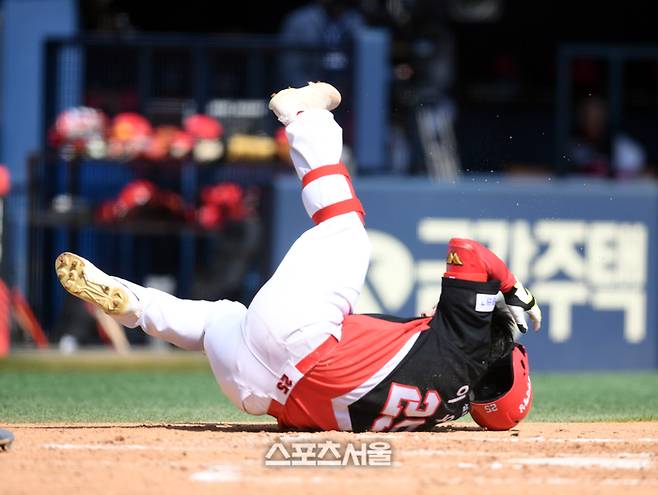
{"points": [[432, 382]]}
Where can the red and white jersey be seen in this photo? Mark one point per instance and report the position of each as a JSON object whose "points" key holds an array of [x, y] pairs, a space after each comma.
{"points": [[339, 373], [388, 373]]}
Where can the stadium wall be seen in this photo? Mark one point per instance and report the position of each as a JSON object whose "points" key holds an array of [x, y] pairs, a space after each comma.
{"points": [[586, 248]]}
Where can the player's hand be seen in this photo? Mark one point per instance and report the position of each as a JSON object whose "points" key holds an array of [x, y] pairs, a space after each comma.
{"points": [[521, 301]]}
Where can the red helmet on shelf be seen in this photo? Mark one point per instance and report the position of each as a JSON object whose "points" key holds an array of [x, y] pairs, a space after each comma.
{"points": [[134, 194], [201, 126], [79, 123], [210, 216], [159, 144], [129, 135], [504, 395], [227, 196], [128, 126], [222, 202], [181, 144], [222, 194]]}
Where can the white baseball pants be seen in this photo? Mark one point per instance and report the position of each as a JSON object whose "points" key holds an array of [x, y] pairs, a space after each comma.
{"points": [[303, 303]]}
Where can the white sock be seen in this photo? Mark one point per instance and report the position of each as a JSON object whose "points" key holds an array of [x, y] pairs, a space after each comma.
{"points": [[131, 320], [316, 140], [180, 322]]}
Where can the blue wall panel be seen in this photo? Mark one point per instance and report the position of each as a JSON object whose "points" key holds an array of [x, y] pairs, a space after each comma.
{"points": [[27, 24], [587, 249]]}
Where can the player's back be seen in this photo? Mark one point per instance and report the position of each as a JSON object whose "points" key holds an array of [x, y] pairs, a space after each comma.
{"points": [[385, 373]]}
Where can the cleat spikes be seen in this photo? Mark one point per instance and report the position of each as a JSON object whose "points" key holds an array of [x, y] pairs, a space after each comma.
{"points": [[73, 275]]}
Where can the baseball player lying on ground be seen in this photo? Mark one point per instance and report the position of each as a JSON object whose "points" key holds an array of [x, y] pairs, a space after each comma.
{"points": [[298, 352]]}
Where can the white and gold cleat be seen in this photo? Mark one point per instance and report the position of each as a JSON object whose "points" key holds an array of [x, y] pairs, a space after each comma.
{"points": [[82, 279], [287, 103]]}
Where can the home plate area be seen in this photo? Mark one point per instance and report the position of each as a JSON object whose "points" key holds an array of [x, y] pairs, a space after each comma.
{"points": [[568, 458]]}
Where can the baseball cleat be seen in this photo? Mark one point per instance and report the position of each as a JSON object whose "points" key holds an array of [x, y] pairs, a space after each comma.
{"points": [[287, 103], [82, 279]]}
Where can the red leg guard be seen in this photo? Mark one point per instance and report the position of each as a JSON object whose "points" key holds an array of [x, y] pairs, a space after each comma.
{"points": [[341, 207], [470, 260]]}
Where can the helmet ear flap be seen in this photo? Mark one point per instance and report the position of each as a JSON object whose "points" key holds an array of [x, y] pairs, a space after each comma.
{"points": [[504, 395]]}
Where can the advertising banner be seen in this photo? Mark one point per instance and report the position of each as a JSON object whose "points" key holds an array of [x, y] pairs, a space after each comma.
{"points": [[586, 249]]}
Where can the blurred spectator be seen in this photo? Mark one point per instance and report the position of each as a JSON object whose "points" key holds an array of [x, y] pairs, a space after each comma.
{"points": [[423, 114], [599, 151], [328, 23], [106, 16]]}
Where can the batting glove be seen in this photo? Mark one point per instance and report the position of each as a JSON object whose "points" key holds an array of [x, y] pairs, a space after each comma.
{"points": [[521, 301]]}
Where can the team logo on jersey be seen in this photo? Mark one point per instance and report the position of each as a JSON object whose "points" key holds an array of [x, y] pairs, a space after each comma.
{"points": [[454, 259]]}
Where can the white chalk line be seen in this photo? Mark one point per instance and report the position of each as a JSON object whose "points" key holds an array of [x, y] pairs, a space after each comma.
{"points": [[541, 439], [220, 473], [522, 455], [175, 448], [293, 438], [619, 462], [94, 446], [441, 437], [229, 473], [557, 480], [225, 473], [581, 481], [542, 481], [111, 447]]}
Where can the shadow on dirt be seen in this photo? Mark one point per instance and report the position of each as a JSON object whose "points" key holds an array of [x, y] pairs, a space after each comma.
{"points": [[455, 428], [229, 427], [218, 427]]}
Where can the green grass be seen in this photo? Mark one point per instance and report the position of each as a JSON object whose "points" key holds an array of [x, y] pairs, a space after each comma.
{"points": [[110, 389], [181, 388], [595, 397]]}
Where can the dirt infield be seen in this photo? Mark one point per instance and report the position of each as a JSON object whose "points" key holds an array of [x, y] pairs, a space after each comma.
{"points": [[571, 458]]}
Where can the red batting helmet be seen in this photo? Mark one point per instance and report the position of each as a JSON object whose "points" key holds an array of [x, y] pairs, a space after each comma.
{"points": [[201, 126], [504, 396]]}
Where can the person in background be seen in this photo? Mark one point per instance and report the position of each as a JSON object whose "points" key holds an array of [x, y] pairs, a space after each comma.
{"points": [[329, 25], [423, 113], [321, 23], [597, 150]]}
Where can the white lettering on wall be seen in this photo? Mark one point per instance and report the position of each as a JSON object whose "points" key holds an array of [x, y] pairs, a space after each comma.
{"points": [[600, 265]]}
